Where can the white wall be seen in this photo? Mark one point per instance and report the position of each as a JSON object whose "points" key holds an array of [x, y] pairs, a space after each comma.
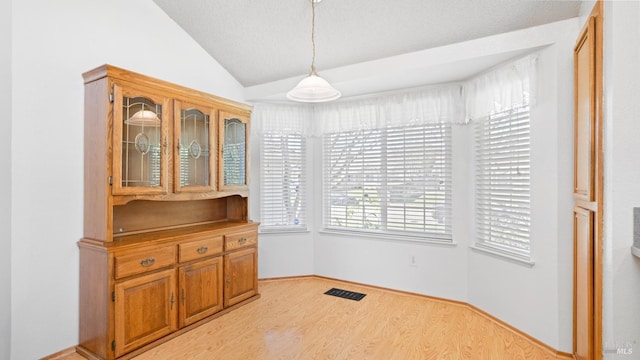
{"points": [[622, 177], [54, 43], [538, 299], [5, 180]]}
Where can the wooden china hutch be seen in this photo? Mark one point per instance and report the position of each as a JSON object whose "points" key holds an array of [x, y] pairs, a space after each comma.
{"points": [[167, 242]]}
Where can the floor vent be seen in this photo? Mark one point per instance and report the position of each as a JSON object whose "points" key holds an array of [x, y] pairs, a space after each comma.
{"points": [[345, 294]]}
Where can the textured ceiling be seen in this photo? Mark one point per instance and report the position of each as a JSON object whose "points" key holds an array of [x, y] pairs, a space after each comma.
{"points": [[260, 41]]}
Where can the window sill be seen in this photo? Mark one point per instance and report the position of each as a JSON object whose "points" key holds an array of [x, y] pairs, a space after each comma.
{"points": [[283, 230], [390, 237], [503, 255]]}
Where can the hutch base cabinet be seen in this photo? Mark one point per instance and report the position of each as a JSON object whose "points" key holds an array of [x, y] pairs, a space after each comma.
{"points": [[143, 287], [167, 243]]}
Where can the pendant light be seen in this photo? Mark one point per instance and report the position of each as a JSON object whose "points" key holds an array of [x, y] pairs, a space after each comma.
{"points": [[313, 88]]}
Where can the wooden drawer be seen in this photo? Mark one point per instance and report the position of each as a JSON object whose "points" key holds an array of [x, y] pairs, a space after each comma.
{"points": [[140, 262], [240, 240], [202, 248]]}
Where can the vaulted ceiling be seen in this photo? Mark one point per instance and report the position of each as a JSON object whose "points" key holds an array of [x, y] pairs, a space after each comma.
{"points": [[260, 41]]}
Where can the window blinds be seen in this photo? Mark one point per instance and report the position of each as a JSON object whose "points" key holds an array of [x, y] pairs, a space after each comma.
{"points": [[502, 175], [283, 181], [393, 180]]}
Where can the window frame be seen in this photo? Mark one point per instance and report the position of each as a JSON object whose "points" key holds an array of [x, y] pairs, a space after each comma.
{"points": [[269, 141], [502, 200], [387, 136]]}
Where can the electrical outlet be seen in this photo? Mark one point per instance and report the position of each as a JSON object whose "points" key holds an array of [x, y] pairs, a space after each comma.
{"points": [[412, 261]]}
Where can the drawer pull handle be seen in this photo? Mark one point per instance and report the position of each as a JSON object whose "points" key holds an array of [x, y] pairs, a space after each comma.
{"points": [[202, 249], [242, 240], [147, 262]]}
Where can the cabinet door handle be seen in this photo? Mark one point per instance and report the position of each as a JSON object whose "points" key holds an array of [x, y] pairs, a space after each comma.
{"points": [[242, 240], [171, 301], [148, 262], [228, 280], [165, 146], [183, 296], [202, 249]]}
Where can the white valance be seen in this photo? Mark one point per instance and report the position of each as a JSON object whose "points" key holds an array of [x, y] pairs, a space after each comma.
{"points": [[282, 118], [506, 87], [431, 105]]}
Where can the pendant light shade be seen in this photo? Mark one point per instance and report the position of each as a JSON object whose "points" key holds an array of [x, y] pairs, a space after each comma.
{"points": [[313, 88]]}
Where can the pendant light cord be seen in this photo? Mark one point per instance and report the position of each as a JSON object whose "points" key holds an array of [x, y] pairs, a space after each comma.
{"points": [[313, 37], [313, 88]]}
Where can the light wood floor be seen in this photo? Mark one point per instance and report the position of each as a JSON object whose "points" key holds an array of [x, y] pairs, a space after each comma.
{"points": [[294, 320]]}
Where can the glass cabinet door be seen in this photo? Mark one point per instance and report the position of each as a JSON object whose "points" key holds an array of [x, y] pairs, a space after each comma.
{"points": [[193, 160], [139, 142], [233, 133]]}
